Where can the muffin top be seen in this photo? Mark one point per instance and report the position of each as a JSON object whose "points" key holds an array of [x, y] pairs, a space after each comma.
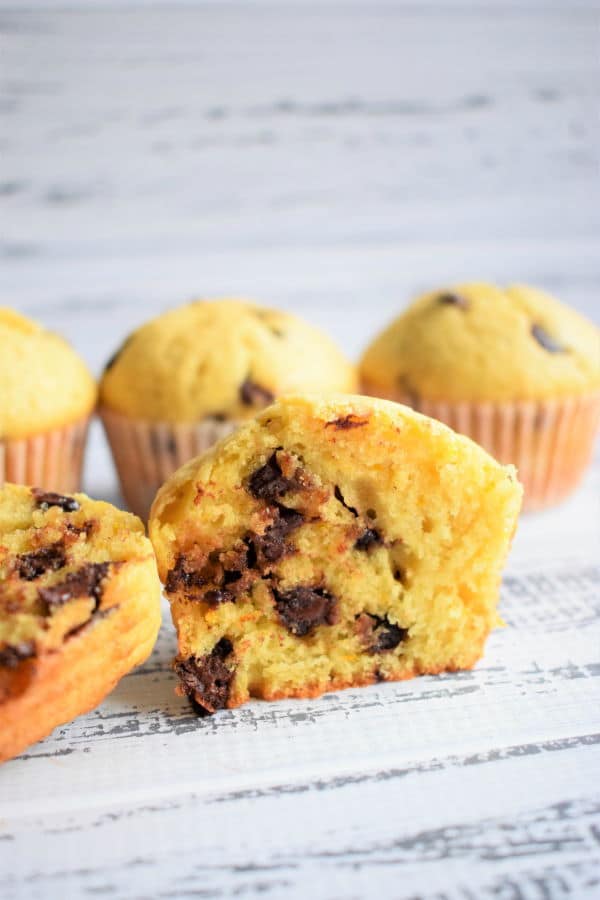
{"points": [[43, 383], [222, 359], [479, 342]]}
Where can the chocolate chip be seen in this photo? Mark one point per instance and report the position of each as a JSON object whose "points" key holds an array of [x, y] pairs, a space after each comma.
{"points": [[231, 576], [207, 680], [269, 483], [369, 538], [181, 577], [251, 557], [378, 634], [302, 609], [86, 582], [271, 545], [346, 422], [13, 654], [45, 499], [451, 299], [47, 559], [216, 596], [87, 528], [339, 496], [546, 340], [217, 580], [252, 394]]}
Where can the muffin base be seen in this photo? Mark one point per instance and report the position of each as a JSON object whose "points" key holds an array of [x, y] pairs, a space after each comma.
{"points": [[147, 453], [550, 442], [52, 460]]}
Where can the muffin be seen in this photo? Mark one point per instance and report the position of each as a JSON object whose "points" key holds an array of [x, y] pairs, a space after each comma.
{"points": [[79, 607], [46, 398], [512, 368], [331, 542], [192, 375]]}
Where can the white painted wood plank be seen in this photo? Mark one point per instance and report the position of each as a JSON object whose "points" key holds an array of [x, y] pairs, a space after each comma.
{"points": [[455, 828], [387, 127]]}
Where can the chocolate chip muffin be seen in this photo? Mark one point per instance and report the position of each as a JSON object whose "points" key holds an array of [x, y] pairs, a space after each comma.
{"points": [[512, 368], [46, 398], [79, 607], [192, 375], [331, 542]]}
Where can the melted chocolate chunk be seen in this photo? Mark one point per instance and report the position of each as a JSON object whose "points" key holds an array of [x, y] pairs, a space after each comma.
{"points": [[302, 609], [346, 422], [339, 496], [271, 546], [251, 557], [216, 596], [87, 528], [546, 340], [47, 559], [45, 499], [207, 680], [378, 634], [183, 578], [450, 299], [369, 538], [86, 582], [269, 483], [216, 581], [13, 654], [252, 394]]}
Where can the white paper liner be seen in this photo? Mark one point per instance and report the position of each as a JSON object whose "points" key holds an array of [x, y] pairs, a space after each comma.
{"points": [[550, 442], [147, 453], [52, 460]]}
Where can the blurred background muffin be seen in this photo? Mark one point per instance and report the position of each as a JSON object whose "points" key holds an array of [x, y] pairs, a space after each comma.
{"points": [[512, 368], [46, 398], [190, 376]]}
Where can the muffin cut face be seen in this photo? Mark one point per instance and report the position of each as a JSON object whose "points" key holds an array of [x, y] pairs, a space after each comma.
{"points": [[79, 607], [330, 543]]}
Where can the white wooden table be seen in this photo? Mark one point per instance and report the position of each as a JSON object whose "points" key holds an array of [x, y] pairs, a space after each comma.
{"points": [[332, 159]]}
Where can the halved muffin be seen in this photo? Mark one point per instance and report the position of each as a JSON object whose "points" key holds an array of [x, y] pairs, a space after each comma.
{"points": [[79, 607], [331, 542]]}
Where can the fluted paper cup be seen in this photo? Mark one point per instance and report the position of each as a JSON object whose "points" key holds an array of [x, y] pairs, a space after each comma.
{"points": [[147, 453], [549, 441], [52, 460]]}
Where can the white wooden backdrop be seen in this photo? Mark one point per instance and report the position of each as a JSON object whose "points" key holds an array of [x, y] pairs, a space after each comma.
{"points": [[334, 159]]}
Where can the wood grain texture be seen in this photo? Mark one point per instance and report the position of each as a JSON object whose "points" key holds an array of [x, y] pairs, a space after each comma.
{"points": [[333, 159]]}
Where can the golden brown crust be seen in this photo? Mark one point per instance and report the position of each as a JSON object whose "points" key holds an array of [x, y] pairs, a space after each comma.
{"points": [[43, 692], [310, 692]]}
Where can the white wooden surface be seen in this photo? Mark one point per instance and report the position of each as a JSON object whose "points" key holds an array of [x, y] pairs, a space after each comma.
{"points": [[333, 159]]}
